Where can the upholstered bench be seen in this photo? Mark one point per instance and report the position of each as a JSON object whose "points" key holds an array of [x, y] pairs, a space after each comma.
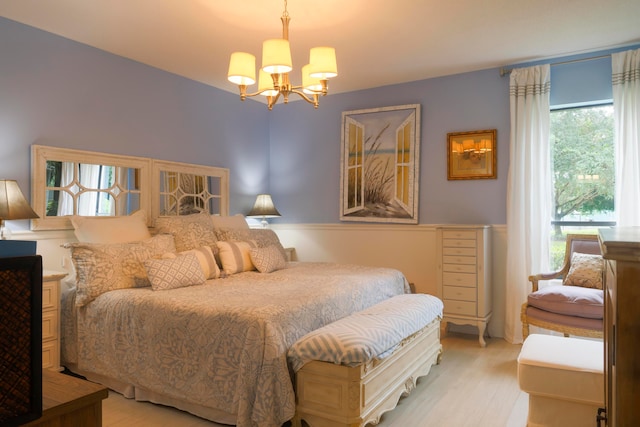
{"points": [[564, 378], [351, 371]]}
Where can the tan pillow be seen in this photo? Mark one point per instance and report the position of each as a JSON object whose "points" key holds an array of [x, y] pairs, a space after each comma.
{"points": [[268, 259], [189, 231], [262, 236], [235, 256], [172, 273], [117, 229], [234, 221], [104, 267], [586, 271], [205, 258]]}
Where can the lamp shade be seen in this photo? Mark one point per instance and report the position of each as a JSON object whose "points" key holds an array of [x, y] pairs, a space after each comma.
{"points": [[242, 69], [265, 84], [323, 62], [264, 207], [13, 205], [276, 56], [310, 85]]}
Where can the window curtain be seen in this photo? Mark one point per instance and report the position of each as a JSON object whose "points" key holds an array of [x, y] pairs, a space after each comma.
{"points": [[626, 110], [529, 190]]}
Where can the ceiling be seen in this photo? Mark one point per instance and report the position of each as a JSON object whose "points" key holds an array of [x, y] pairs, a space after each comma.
{"points": [[378, 42]]}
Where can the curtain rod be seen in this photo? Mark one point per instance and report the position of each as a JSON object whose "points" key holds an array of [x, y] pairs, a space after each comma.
{"points": [[504, 71]]}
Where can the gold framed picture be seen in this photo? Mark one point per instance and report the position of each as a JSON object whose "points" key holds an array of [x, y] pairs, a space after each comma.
{"points": [[471, 155]]}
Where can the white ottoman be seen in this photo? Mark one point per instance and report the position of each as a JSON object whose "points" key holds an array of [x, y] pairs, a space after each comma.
{"points": [[564, 378]]}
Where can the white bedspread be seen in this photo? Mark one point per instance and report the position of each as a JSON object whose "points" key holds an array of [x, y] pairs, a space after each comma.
{"points": [[223, 344]]}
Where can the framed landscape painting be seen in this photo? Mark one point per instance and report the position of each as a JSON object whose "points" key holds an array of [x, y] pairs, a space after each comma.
{"points": [[379, 164]]}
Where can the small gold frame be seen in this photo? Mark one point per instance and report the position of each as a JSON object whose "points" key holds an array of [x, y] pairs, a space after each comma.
{"points": [[471, 155]]}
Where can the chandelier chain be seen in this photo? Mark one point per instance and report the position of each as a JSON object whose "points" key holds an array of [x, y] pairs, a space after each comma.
{"points": [[286, 12]]}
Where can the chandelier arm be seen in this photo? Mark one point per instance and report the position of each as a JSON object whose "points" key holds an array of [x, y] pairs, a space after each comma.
{"points": [[313, 100]]}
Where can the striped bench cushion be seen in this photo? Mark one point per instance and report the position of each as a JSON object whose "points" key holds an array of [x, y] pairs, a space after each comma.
{"points": [[369, 334]]}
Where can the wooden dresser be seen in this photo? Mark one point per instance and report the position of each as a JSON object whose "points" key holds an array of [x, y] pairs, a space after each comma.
{"points": [[464, 275], [621, 250], [69, 402]]}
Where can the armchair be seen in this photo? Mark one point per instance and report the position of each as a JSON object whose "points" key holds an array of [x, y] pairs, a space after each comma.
{"points": [[567, 308]]}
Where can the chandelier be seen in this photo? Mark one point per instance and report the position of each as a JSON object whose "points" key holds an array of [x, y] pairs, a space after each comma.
{"points": [[273, 79]]}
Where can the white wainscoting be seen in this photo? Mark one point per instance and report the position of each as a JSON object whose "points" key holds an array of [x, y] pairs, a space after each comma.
{"points": [[409, 248]]}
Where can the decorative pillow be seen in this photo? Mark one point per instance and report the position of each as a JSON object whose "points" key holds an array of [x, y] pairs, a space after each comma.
{"points": [[586, 271], [262, 236], [117, 229], [205, 258], [172, 273], [267, 259], [104, 267], [235, 221], [189, 231], [235, 256]]}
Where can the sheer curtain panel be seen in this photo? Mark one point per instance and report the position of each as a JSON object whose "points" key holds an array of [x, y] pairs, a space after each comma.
{"points": [[626, 110], [529, 190]]}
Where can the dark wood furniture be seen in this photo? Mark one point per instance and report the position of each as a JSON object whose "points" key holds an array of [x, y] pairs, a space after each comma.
{"points": [[621, 250], [69, 402]]}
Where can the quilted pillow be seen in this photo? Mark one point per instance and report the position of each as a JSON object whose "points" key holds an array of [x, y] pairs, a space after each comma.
{"points": [[235, 256], [267, 259], [189, 231], [263, 237], [206, 260], [172, 273], [104, 267], [117, 229], [586, 271]]}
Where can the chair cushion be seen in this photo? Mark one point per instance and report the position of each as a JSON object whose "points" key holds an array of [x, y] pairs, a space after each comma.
{"points": [[569, 300]]}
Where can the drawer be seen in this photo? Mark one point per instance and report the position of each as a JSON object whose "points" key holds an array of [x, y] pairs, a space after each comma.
{"points": [[459, 293], [457, 251], [459, 234], [464, 308], [49, 326], [448, 259], [49, 297], [48, 354], [459, 279], [458, 243], [459, 268]]}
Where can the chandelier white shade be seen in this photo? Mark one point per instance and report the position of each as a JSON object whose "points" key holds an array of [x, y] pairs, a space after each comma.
{"points": [[273, 78]]}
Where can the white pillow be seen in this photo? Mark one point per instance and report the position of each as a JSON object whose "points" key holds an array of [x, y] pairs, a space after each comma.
{"points": [[116, 229], [235, 221], [235, 256]]}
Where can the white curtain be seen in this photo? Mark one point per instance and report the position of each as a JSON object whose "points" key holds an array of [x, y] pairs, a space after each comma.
{"points": [[529, 190], [626, 109]]}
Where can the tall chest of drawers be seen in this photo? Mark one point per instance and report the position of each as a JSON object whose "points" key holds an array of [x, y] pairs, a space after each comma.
{"points": [[464, 275]]}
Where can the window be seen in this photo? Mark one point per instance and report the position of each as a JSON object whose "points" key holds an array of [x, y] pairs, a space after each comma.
{"points": [[583, 172]]}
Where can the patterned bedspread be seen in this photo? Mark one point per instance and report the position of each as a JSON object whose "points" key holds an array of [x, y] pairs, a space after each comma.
{"points": [[222, 344]]}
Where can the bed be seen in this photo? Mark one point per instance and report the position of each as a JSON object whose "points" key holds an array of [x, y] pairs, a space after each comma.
{"points": [[217, 349]]}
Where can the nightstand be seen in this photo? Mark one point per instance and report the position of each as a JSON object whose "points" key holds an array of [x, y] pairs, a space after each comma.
{"points": [[291, 254], [51, 319]]}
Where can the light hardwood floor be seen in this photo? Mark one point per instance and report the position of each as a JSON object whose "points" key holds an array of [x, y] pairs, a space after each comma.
{"points": [[472, 386]]}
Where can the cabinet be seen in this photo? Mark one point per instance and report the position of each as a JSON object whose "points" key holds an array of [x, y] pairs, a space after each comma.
{"points": [[464, 275], [621, 251], [51, 319]]}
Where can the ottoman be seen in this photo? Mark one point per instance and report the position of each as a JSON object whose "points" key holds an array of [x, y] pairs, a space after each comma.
{"points": [[564, 378]]}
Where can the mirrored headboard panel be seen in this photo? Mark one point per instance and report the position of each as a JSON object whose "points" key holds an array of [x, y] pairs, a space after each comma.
{"points": [[68, 182]]}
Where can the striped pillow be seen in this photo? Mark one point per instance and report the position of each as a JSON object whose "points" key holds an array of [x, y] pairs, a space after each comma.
{"points": [[172, 273], [205, 258], [235, 256]]}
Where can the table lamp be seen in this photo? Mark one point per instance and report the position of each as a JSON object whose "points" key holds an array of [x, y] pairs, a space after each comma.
{"points": [[264, 208], [13, 206]]}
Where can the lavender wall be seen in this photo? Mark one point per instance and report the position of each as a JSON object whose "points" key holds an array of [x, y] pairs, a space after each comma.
{"points": [[57, 92], [305, 149]]}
